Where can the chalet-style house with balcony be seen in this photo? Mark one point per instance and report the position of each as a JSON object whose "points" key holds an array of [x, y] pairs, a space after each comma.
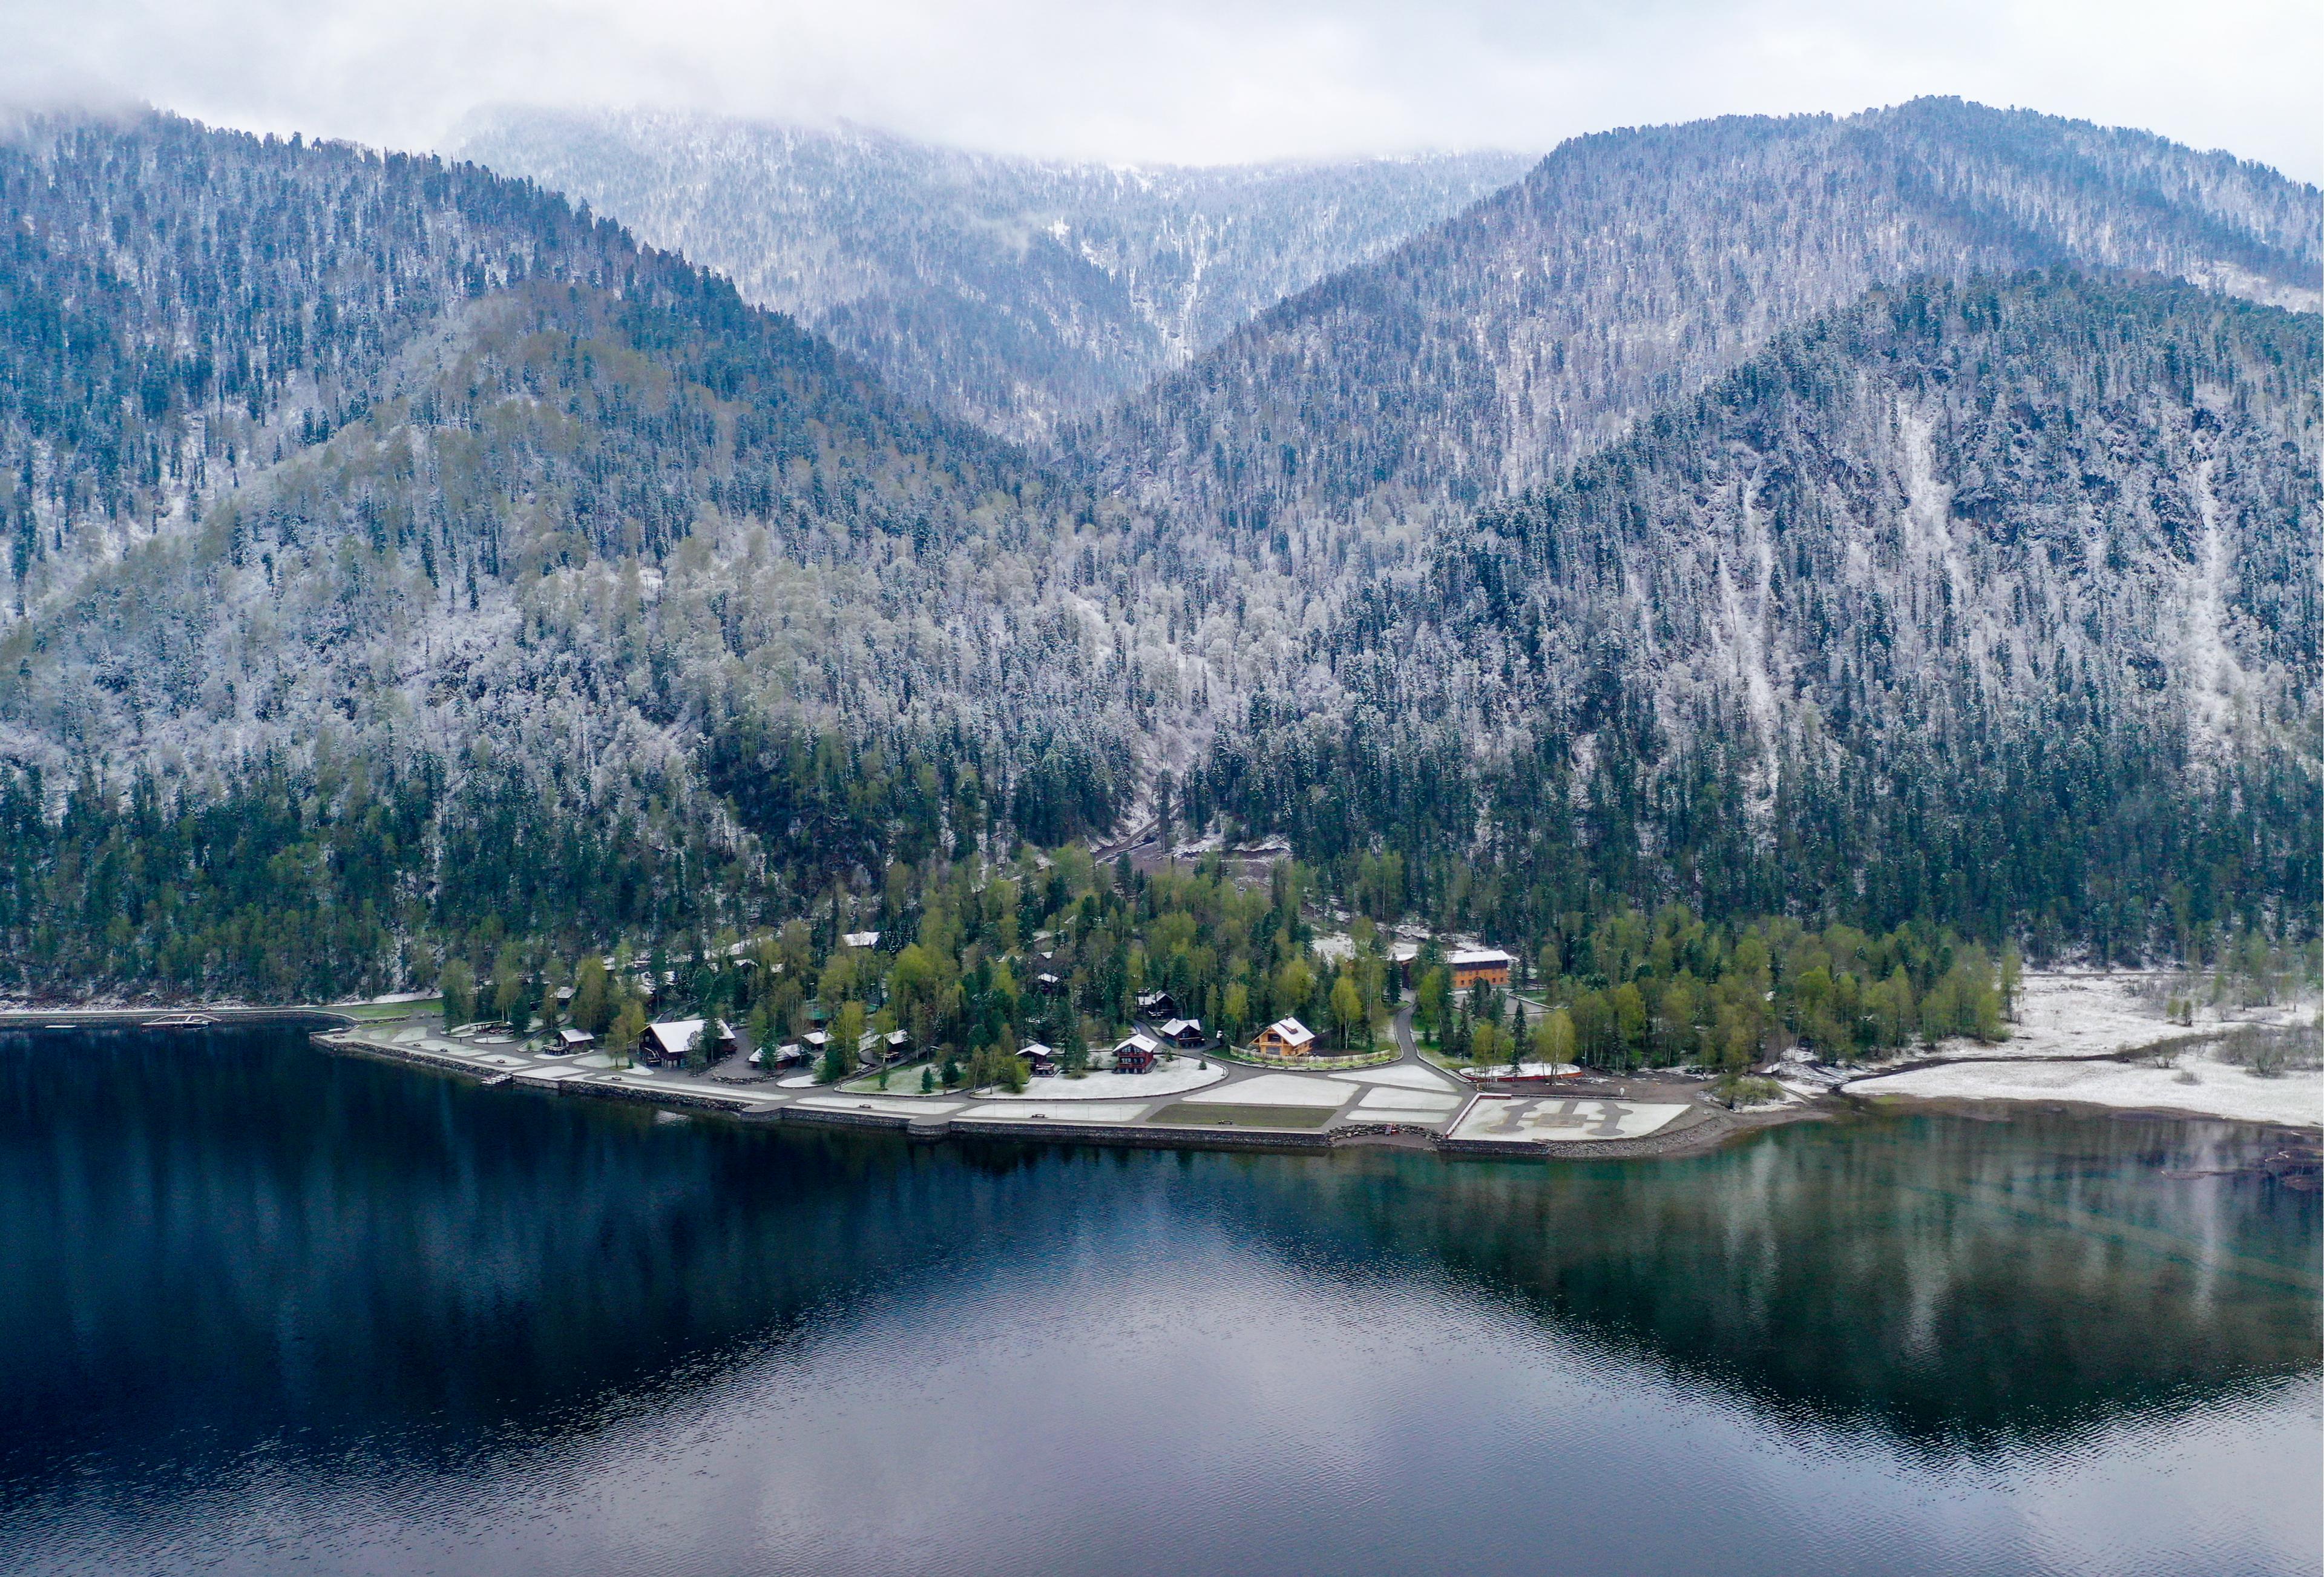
{"points": [[1285, 1037], [1137, 1055]]}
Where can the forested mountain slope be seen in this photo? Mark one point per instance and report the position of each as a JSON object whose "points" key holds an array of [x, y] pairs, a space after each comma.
{"points": [[1631, 268], [318, 463], [1013, 292], [1996, 598], [399, 559]]}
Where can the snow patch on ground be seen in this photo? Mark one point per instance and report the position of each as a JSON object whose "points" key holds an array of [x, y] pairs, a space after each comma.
{"points": [[1404, 1076], [1275, 1090], [2220, 1090], [1394, 1103], [2087, 1013], [1171, 1079]]}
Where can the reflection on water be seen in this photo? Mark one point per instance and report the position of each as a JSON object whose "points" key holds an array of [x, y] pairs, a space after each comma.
{"points": [[266, 1308]]}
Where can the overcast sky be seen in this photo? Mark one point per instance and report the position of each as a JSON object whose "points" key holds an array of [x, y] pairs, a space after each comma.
{"points": [[1187, 80]]}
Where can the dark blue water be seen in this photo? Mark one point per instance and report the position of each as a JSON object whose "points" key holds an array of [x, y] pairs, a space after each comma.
{"points": [[265, 1309]]}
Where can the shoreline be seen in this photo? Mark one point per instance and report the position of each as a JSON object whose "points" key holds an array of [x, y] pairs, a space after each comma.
{"points": [[1997, 1108], [1701, 1129], [140, 1018], [1704, 1129], [1694, 1125]]}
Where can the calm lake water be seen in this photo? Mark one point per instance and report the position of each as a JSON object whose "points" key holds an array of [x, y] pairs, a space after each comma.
{"points": [[266, 1309]]}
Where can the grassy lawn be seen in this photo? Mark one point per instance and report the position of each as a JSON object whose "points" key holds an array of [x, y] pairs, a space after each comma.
{"points": [[388, 1012], [903, 1080], [1186, 1114]]}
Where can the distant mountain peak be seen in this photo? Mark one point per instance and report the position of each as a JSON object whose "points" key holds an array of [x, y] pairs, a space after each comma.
{"points": [[1015, 293]]}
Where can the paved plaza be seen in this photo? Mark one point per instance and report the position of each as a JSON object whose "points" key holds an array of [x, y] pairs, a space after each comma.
{"points": [[1519, 1119]]}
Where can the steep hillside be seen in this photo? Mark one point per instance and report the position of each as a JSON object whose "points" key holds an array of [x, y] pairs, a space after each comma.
{"points": [[400, 560], [1631, 269], [1999, 597], [1013, 292], [313, 458]]}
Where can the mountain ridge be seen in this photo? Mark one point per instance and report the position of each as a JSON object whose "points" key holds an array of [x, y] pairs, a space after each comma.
{"points": [[1481, 355], [1012, 292], [369, 491]]}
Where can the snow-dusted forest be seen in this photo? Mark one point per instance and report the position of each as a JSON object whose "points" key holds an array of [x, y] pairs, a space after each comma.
{"points": [[1013, 292], [1908, 518]]}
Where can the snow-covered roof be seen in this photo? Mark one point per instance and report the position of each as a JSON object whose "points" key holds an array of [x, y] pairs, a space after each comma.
{"points": [[1178, 1026], [1292, 1030], [1033, 1049], [572, 1037], [1142, 1041], [862, 938], [675, 1036], [1479, 958]]}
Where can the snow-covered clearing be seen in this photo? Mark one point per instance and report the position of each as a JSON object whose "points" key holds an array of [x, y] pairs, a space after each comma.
{"points": [[2070, 1013], [2219, 1090], [1390, 1104], [1404, 1076], [1526, 1070], [1275, 1090]]}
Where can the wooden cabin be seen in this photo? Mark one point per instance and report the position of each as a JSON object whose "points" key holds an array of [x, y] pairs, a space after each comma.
{"points": [[1157, 1005], [1285, 1037], [1137, 1055], [667, 1042], [1186, 1034]]}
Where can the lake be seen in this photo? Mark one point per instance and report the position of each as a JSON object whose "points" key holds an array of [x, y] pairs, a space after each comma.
{"points": [[268, 1309]]}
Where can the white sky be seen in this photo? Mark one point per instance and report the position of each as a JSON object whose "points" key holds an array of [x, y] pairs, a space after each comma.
{"points": [[1187, 80]]}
